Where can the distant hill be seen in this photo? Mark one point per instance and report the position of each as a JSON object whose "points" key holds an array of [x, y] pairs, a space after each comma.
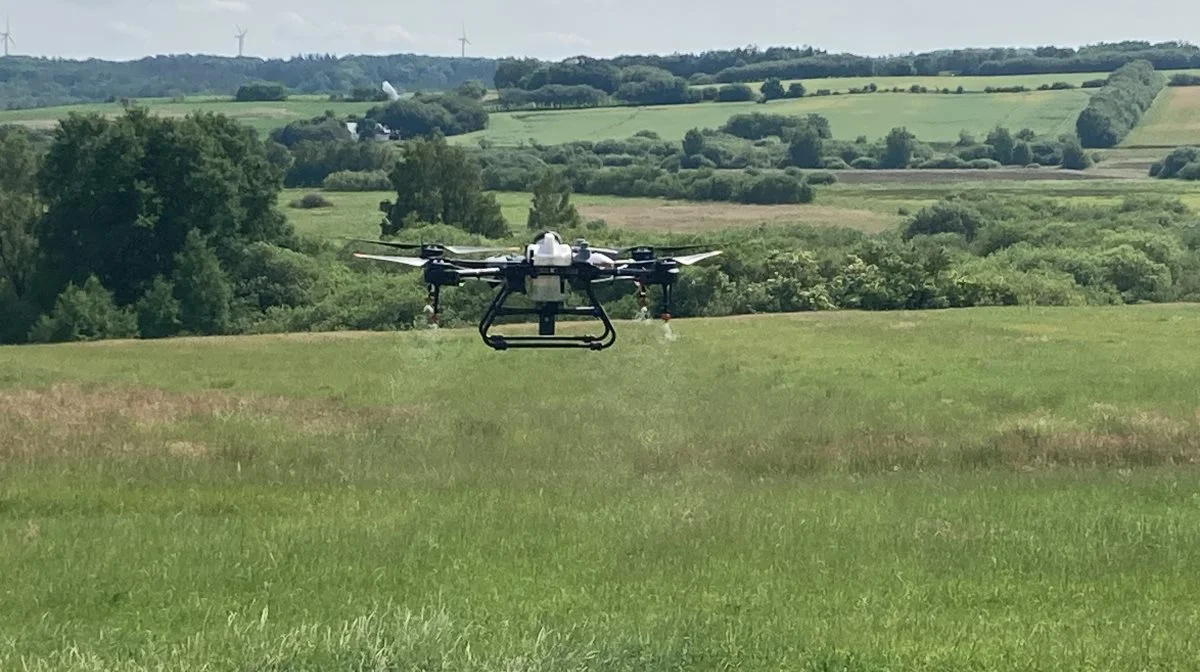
{"points": [[38, 82]]}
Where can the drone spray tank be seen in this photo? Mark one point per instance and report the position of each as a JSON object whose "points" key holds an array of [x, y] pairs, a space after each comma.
{"points": [[549, 290]]}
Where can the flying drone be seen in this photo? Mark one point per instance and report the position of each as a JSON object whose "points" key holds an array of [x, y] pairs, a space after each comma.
{"points": [[548, 271]]}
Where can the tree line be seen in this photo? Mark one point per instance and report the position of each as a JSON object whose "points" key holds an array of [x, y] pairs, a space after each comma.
{"points": [[40, 82], [142, 226], [1114, 110]]}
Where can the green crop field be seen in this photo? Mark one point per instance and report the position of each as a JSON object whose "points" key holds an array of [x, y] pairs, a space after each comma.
{"points": [[263, 116], [932, 117], [1173, 120], [973, 83], [985, 489]]}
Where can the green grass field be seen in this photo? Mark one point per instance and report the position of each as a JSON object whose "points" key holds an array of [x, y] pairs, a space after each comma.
{"points": [[866, 205], [974, 83], [932, 117], [1173, 120], [262, 116], [954, 490]]}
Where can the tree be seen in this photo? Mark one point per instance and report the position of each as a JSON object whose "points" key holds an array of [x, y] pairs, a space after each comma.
{"points": [[202, 287], [900, 147], [440, 184], [473, 89], [19, 214], [261, 91], [806, 149], [1002, 145], [693, 142], [772, 89], [796, 90], [122, 195], [158, 310], [1022, 154], [1073, 156], [552, 208], [84, 313]]}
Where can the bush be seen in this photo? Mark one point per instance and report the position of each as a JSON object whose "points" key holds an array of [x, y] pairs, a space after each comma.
{"points": [[1073, 156], [1190, 172], [943, 162], [311, 201], [262, 91], [945, 217], [865, 163], [822, 177], [834, 163], [735, 93], [356, 180], [1184, 79], [85, 313], [983, 164], [1094, 83], [1174, 163]]}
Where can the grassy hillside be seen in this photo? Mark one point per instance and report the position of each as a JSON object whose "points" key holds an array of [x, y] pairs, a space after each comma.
{"points": [[966, 490], [968, 82], [933, 117], [1173, 120], [263, 116]]}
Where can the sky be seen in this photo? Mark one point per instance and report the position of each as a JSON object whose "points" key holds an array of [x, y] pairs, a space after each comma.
{"points": [[555, 29]]}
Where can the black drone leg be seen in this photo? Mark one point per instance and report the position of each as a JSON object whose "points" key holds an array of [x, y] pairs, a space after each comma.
{"points": [[546, 313], [666, 304], [435, 295]]}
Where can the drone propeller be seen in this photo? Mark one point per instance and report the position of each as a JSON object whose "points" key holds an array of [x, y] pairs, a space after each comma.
{"points": [[434, 248], [685, 261], [665, 249], [407, 261]]}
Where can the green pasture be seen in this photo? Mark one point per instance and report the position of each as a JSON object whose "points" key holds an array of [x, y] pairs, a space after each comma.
{"points": [[855, 202], [970, 83], [932, 117], [977, 489], [263, 116], [1173, 120]]}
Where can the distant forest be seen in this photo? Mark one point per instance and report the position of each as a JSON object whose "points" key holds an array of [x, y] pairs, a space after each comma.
{"points": [[39, 82], [36, 82]]}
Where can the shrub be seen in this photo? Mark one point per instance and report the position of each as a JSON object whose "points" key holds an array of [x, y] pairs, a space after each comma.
{"points": [[735, 93], [1190, 172], [311, 201], [1175, 162], [262, 91], [1184, 79], [355, 180], [834, 163], [945, 217], [945, 162], [865, 163], [983, 164], [85, 313], [821, 177]]}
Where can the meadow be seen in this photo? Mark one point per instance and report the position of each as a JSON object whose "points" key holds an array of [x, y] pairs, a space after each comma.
{"points": [[932, 117], [955, 490], [1173, 120], [263, 116], [970, 83], [863, 200]]}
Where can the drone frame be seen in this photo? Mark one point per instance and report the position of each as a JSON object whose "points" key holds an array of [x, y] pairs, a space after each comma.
{"points": [[510, 274]]}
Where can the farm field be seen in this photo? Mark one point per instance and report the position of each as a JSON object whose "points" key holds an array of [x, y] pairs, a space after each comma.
{"points": [[947, 490], [863, 200], [970, 83], [932, 117], [1173, 120], [263, 116]]}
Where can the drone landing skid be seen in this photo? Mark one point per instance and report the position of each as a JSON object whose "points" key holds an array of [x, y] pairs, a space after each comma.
{"points": [[546, 312]]}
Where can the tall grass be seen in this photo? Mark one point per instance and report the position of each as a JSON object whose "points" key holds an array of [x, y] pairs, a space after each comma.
{"points": [[959, 490]]}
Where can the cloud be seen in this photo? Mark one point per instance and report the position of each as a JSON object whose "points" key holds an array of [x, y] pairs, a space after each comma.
{"points": [[223, 6], [128, 29], [562, 39]]}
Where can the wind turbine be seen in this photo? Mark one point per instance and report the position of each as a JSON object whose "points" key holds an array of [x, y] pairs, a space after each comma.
{"points": [[6, 36], [464, 40], [241, 38]]}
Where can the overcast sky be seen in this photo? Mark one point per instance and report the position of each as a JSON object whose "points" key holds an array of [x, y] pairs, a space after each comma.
{"points": [[125, 29]]}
